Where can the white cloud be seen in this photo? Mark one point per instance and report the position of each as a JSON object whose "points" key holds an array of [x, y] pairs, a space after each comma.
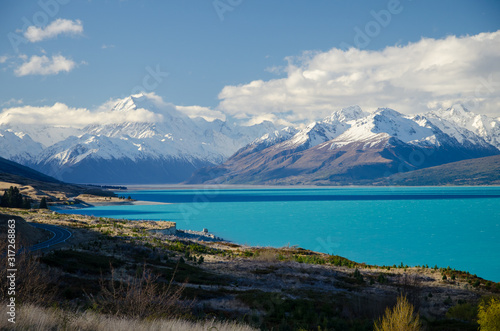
{"points": [[204, 112], [410, 79], [104, 46], [12, 101], [60, 114], [42, 65], [3, 58], [55, 28]]}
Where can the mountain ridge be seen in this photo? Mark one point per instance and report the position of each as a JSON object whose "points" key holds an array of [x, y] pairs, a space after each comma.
{"points": [[143, 140], [373, 145], [163, 146]]}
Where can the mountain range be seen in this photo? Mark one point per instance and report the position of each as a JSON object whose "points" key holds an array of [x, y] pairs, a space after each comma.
{"points": [[348, 147], [355, 147], [168, 150]]}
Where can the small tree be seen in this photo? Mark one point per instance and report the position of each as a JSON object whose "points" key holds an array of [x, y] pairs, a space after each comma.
{"points": [[12, 198], [26, 203], [5, 200], [400, 318], [43, 203], [489, 314]]}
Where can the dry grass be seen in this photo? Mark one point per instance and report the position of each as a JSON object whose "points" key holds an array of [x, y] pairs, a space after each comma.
{"points": [[266, 255], [139, 297], [31, 317], [32, 279]]}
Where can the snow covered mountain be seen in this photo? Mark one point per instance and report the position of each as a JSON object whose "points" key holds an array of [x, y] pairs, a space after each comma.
{"points": [[486, 127], [144, 140], [18, 146], [166, 148], [351, 146]]}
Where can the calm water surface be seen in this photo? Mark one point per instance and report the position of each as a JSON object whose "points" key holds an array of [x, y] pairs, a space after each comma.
{"points": [[456, 227]]}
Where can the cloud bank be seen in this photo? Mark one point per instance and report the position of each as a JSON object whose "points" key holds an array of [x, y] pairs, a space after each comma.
{"points": [[62, 115], [412, 78], [42, 65], [203, 112], [55, 28]]}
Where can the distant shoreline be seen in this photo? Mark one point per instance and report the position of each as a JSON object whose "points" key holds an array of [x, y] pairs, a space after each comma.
{"points": [[88, 204], [146, 187]]}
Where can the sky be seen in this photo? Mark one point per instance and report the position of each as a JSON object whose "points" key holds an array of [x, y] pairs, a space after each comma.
{"points": [[252, 60]]}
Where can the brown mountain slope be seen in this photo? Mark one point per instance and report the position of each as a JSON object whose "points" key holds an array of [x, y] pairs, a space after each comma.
{"points": [[355, 163], [480, 171]]}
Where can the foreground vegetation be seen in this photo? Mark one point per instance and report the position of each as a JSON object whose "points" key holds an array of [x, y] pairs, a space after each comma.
{"points": [[32, 317], [117, 274]]}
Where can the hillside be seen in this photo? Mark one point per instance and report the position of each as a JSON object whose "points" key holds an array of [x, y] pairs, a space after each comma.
{"points": [[163, 277], [27, 234], [37, 185], [481, 171], [10, 169]]}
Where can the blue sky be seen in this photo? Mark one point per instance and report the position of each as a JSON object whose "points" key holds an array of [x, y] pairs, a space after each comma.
{"points": [[238, 56]]}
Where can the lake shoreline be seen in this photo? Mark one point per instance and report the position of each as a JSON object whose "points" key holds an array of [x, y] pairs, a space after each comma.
{"points": [[155, 187]]}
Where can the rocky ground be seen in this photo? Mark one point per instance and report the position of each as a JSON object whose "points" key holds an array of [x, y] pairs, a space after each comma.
{"points": [[264, 287]]}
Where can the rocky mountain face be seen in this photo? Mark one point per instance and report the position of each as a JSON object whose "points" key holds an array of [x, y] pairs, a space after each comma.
{"points": [[353, 147]]}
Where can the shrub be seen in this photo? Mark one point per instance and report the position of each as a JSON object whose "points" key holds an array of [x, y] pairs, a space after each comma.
{"points": [[358, 276], [463, 312], [141, 297], [33, 280], [489, 314], [400, 318], [382, 279]]}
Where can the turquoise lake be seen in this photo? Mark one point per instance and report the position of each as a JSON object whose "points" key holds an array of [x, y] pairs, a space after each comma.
{"points": [[448, 226]]}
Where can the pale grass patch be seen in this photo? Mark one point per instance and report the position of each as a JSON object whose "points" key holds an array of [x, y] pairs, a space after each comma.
{"points": [[267, 255], [31, 317]]}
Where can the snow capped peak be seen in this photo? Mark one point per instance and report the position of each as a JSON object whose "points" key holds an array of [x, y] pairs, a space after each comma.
{"points": [[459, 110], [316, 133], [286, 132], [137, 101], [386, 112], [384, 123], [272, 138], [486, 127], [125, 104], [17, 146], [346, 114]]}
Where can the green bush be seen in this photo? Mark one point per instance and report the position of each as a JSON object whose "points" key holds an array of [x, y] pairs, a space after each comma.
{"points": [[463, 312], [358, 276], [382, 279]]}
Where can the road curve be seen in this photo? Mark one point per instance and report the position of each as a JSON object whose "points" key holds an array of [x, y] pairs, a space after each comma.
{"points": [[59, 235]]}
